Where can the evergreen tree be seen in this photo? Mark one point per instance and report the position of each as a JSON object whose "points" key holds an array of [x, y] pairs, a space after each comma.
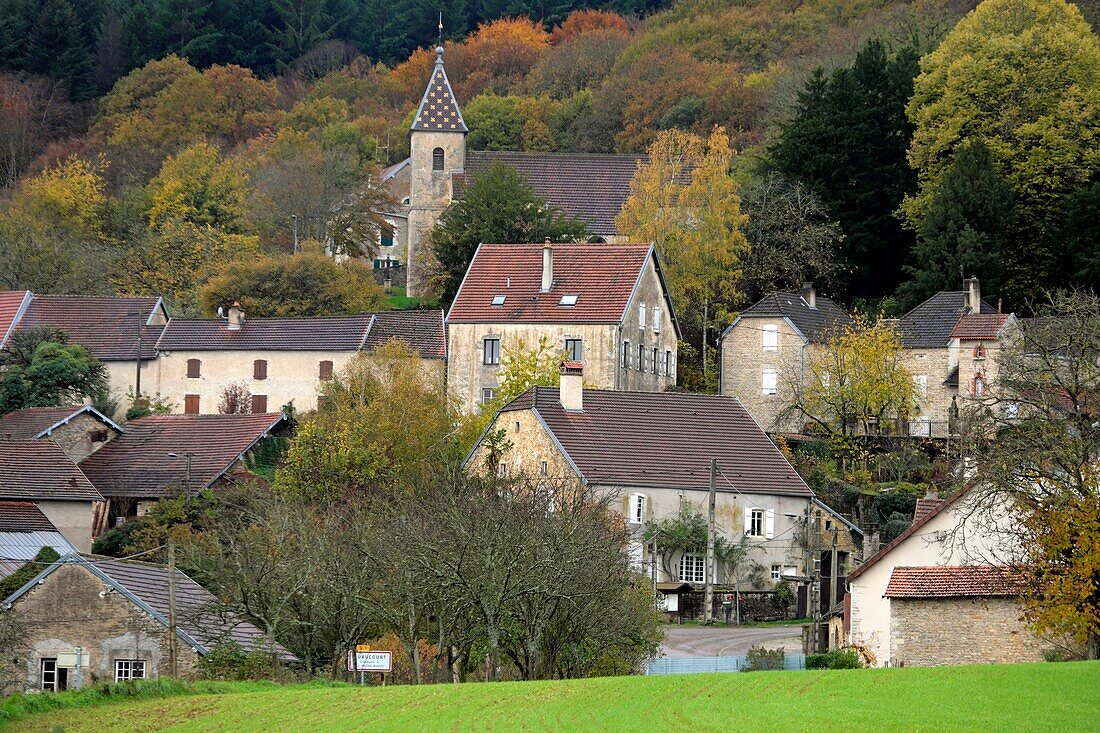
{"points": [[13, 28], [848, 142], [965, 231], [57, 48], [1082, 235]]}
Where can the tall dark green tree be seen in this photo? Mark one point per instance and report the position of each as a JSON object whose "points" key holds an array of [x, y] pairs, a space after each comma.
{"points": [[966, 230], [847, 142], [497, 206], [57, 47], [1082, 236]]}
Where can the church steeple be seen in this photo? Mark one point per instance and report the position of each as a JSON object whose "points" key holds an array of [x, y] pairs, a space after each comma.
{"points": [[438, 111]]}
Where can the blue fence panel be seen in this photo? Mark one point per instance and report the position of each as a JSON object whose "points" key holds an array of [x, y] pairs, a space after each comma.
{"points": [[697, 665]]}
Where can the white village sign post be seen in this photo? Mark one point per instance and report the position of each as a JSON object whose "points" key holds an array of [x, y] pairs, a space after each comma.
{"points": [[363, 660]]}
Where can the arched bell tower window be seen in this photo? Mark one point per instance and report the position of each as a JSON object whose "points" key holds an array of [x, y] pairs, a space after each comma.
{"points": [[437, 159]]}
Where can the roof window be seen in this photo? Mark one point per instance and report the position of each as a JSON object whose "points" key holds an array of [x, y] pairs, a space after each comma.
{"points": [[568, 299], [499, 299]]}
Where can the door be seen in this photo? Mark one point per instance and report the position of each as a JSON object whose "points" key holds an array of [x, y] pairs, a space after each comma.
{"points": [[49, 675]]}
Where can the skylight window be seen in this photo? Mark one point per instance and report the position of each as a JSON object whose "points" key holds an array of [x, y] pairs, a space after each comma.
{"points": [[569, 299], [499, 299]]}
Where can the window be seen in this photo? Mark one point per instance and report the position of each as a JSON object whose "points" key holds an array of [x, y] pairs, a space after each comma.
{"points": [[920, 384], [385, 235], [49, 676], [641, 316], [641, 357], [979, 386], [760, 523], [637, 558], [488, 394], [491, 351], [191, 404], [498, 300], [194, 368], [129, 669], [627, 354], [502, 470], [517, 426], [979, 351], [769, 338], [437, 159], [778, 571], [568, 300], [324, 370], [574, 349], [768, 381], [259, 369], [543, 469], [668, 364], [693, 569], [322, 403], [653, 366], [656, 319], [636, 509], [259, 404]]}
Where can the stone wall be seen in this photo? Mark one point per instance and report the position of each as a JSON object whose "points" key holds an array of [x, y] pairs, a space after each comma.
{"points": [[72, 609], [934, 365], [430, 193], [743, 360], [929, 632], [76, 436]]}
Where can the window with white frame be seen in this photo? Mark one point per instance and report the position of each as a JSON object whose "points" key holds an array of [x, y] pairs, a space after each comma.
{"points": [[920, 385], [693, 568], [769, 338], [760, 522], [491, 351], [129, 669], [636, 509], [641, 316], [769, 380], [779, 571], [656, 319], [488, 394]]}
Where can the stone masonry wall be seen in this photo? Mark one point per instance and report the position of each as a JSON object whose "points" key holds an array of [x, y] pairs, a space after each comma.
{"points": [[934, 364], [931, 632], [67, 611], [75, 437], [743, 361]]}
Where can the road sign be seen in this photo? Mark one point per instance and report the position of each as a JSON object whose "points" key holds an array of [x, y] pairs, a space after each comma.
{"points": [[373, 661], [362, 647], [729, 598]]}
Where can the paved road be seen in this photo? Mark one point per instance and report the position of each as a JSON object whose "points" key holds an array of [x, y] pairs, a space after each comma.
{"points": [[704, 641]]}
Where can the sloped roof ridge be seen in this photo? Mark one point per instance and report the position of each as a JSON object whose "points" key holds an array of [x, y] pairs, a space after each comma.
{"points": [[449, 114]]}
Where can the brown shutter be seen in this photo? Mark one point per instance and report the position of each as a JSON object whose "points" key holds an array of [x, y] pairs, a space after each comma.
{"points": [[191, 404], [326, 370], [259, 369], [194, 367], [259, 403]]}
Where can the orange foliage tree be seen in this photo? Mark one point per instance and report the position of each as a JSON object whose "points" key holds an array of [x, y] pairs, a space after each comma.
{"points": [[582, 21]]}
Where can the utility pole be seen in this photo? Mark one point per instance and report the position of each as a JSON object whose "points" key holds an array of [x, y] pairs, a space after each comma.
{"points": [[653, 563], [137, 378], [815, 585], [709, 595], [172, 606], [834, 573], [294, 218]]}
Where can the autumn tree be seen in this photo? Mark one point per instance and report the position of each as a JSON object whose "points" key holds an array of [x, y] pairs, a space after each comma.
{"points": [[1023, 77], [33, 111], [236, 399], [199, 188], [309, 283], [497, 56], [585, 21]]}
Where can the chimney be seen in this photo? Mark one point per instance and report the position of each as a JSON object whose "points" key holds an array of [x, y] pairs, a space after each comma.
{"points": [[973, 295], [809, 294], [236, 316], [547, 266], [571, 389]]}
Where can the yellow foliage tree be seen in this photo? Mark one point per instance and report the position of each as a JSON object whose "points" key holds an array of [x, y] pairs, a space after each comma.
{"points": [[71, 193], [196, 187]]}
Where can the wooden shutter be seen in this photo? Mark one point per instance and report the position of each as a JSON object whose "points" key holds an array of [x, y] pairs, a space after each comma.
{"points": [[748, 520], [191, 404], [326, 370], [259, 369], [769, 524], [194, 367], [259, 403]]}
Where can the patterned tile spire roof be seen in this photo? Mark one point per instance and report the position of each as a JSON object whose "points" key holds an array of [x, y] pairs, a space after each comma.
{"points": [[438, 111]]}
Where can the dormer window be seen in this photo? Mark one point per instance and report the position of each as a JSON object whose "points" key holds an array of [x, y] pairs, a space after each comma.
{"points": [[568, 300], [498, 300], [437, 159]]}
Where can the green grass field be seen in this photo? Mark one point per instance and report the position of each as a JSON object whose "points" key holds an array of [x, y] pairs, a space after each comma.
{"points": [[1036, 697]]}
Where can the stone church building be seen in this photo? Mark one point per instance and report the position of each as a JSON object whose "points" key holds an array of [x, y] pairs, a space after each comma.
{"points": [[591, 187]]}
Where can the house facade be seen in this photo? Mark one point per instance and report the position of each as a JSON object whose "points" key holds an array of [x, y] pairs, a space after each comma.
{"points": [[943, 592], [79, 430], [651, 454], [606, 306]]}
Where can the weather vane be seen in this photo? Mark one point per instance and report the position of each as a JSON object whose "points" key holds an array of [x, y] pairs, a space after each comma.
{"points": [[440, 27]]}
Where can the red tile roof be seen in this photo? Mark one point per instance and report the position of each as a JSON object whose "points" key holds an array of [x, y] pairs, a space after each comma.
{"points": [[979, 327], [422, 329], [12, 303], [602, 276], [36, 422], [954, 581], [39, 470], [925, 506], [107, 326], [23, 516], [664, 440], [137, 464]]}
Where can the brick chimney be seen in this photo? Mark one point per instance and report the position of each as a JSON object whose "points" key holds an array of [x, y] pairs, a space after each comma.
{"points": [[809, 294], [973, 295], [571, 388], [236, 316], [547, 266]]}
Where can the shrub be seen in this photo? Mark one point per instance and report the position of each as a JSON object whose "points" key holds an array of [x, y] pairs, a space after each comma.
{"points": [[835, 659], [231, 662], [760, 659]]}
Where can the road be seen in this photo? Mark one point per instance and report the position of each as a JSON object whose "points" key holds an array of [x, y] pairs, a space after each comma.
{"points": [[711, 641]]}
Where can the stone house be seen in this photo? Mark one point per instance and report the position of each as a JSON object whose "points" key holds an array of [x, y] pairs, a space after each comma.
{"points": [[651, 453], [763, 353], [279, 360], [88, 619], [80, 430], [943, 592], [590, 187], [607, 307], [161, 456]]}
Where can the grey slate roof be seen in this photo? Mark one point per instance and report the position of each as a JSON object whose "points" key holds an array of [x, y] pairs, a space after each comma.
{"points": [[438, 111], [40, 470], [814, 323], [198, 624], [930, 324], [664, 440]]}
